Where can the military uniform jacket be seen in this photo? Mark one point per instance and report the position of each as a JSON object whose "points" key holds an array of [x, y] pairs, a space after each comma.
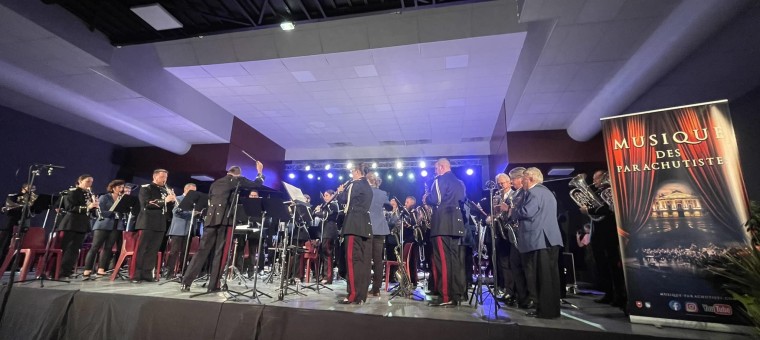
{"points": [[152, 216], [445, 195], [220, 198], [77, 217], [357, 198], [329, 213], [14, 215]]}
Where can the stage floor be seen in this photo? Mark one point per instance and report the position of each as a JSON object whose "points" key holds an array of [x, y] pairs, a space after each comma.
{"points": [[587, 317]]}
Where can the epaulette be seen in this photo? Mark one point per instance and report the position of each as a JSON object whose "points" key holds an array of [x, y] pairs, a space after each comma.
{"points": [[145, 185]]}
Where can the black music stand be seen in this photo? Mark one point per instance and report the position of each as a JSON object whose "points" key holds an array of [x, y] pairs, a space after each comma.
{"points": [[278, 213], [195, 202], [477, 292], [256, 207]]}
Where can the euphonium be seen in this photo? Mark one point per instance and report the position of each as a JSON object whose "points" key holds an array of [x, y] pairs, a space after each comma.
{"points": [[582, 194], [605, 192]]}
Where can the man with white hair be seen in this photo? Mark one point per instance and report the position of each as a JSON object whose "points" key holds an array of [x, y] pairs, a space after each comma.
{"points": [[539, 241], [446, 231]]}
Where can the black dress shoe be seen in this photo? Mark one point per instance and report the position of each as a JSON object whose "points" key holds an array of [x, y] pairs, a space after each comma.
{"points": [[531, 314], [184, 288], [136, 281], [510, 301], [529, 305]]}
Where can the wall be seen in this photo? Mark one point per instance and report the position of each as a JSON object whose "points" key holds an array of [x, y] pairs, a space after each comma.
{"points": [[29, 140]]}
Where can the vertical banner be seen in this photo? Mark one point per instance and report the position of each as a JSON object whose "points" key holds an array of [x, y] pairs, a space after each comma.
{"points": [[680, 203]]}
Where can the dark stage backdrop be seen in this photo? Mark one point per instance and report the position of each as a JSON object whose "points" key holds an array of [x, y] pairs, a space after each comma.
{"points": [[30, 140]]}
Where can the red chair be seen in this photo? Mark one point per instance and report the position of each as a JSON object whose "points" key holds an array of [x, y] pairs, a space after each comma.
{"points": [[388, 265], [128, 248], [310, 256], [32, 246]]}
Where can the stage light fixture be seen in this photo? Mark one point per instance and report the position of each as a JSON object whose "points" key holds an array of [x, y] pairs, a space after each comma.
{"points": [[319, 178], [307, 167], [374, 165], [423, 164], [340, 178], [377, 174], [310, 176], [400, 173], [287, 26], [423, 173], [292, 176], [411, 175], [390, 176], [399, 165], [470, 172], [329, 175], [327, 166], [349, 165]]}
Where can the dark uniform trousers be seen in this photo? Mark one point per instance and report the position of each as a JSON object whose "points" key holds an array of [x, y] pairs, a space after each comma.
{"points": [[510, 271], [148, 244], [358, 250], [326, 261], [71, 242], [213, 240], [543, 278], [104, 239], [378, 248], [176, 253], [448, 268]]}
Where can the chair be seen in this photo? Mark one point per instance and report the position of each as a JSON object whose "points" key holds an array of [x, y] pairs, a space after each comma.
{"points": [[311, 255], [128, 248], [32, 246], [389, 264]]}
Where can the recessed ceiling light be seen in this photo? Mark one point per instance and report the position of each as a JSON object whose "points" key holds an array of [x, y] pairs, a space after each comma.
{"points": [[457, 61], [157, 17], [303, 76]]}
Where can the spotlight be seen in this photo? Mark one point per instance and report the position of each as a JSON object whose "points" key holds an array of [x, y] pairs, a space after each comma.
{"points": [[287, 26], [424, 173], [310, 176], [349, 165], [307, 168], [423, 164], [399, 165], [329, 175], [327, 166], [340, 178], [377, 174], [470, 172], [411, 175], [374, 165], [292, 176], [319, 178], [400, 173], [390, 176]]}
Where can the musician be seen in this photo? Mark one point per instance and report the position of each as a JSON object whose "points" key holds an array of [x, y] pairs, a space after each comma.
{"points": [[525, 295], [14, 203], [606, 249], [447, 228], [504, 246], [539, 242], [328, 212], [178, 231], [106, 229], [414, 234], [380, 231], [218, 218], [357, 234], [77, 203], [156, 204]]}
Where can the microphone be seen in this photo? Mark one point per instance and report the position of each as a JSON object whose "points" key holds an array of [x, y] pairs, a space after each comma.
{"points": [[490, 185]]}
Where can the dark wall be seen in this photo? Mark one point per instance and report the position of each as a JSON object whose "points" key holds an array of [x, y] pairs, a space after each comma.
{"points": [[28, 140], [245, 138], [744, 114]]}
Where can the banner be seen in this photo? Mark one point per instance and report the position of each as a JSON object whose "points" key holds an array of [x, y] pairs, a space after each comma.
{"points": [[680, 203]]}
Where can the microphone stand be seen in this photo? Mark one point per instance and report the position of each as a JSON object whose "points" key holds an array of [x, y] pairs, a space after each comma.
{"points": [[478, 291], [18, 238]]}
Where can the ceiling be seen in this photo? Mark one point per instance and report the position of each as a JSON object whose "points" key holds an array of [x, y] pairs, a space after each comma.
{"points": [[377, 83], [204, 17]]}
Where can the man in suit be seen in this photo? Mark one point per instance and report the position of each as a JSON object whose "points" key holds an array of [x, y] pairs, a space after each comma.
{"points": [[539, 241], [219, 216], [156, 204], [357, 234], [447, 228]]}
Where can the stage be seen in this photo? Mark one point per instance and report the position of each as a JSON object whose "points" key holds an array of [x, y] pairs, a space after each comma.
{"points": [[102, 309]]}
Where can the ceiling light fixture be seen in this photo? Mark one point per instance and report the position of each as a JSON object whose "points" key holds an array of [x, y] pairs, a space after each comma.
{"points": [[287, 26], [157, 17]]}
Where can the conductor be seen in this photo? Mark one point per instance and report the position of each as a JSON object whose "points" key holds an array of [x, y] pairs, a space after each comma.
{"points": [[219, 217]]}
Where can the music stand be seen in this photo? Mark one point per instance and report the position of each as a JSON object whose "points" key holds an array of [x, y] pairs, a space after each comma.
{"points": [[256, 207], [278, 212], [195, 202]]}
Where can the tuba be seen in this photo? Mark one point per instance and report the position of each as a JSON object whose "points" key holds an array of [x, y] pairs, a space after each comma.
{"points": [[582, 194]]}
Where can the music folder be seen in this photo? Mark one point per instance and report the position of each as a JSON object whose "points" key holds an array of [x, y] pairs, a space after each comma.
{"points": [[199, 199], [295, 194], [125, 204]]}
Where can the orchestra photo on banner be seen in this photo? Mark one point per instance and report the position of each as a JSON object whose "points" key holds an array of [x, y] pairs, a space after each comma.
{"points": [[358, 233]]}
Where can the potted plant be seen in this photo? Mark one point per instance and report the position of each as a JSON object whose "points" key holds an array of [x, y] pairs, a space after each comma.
{"points": [[741, 270]]}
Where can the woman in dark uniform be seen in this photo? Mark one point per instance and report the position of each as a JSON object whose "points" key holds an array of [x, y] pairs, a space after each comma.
{"points": [[106, 229], [77, 204]]}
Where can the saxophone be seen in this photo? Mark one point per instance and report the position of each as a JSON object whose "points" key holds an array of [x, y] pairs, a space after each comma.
{"points": [[405, 286]]}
